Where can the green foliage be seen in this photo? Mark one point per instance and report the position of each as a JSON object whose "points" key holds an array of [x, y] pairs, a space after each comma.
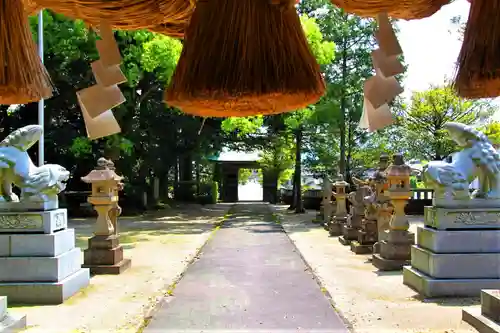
{"points": [[324, 51], [81, 147], [244, 175], [424, 118], [492, 130], [415, 184], [208, 193], [160, 55]]}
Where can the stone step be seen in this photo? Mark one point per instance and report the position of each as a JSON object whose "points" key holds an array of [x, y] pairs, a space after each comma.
{"points": [[456, 265], [490, 304], [430, 287], [40, 269], [462, 241], [45, 293], [481, 323], [37, 245]]}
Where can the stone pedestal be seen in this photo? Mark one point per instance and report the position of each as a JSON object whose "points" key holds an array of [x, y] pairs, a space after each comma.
{"points": [[39, 263], [367, 236], [456, 255], [349, 234], [487, 317], [336, 225], [350, 229], [9, 323], [105, 256], [394, 251]]}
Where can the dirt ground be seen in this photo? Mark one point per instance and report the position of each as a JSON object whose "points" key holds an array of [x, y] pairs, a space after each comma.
{"points": [[369, 300], [160, 245]]}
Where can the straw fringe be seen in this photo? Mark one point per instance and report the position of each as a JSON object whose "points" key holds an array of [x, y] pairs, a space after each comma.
{"points": [[398, 9], [244, 57], [168, 17], [23, 78], [478, 63]]}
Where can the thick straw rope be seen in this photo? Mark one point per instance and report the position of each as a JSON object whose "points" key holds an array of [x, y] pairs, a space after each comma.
{"points": [[398, 9], [168, 17]]}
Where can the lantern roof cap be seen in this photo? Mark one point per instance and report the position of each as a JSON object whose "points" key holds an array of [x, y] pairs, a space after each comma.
{"points": [[104, 171], [398, 168]]}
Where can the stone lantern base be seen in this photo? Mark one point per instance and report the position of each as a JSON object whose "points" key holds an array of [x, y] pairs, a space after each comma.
{"points": [[336, 225], [350, 229], [394, 250], [367, 236], [105, 256]]}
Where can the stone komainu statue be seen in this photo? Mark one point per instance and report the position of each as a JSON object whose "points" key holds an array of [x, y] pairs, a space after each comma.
{"points": [[477, 159], [16, 168]]}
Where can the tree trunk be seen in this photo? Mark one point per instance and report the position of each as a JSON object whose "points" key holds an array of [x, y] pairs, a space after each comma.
{"points": [[343, 102], [197, 175], [299, 207], [292, 205]]}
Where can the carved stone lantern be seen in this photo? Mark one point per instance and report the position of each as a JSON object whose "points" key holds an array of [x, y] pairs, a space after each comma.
{"points": [[105, 254], [395, 248], [340, 217], [399, 191], [326, 208]]}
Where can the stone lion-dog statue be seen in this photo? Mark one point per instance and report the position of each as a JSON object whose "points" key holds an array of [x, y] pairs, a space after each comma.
{"points": [[477, 159], [40, 184]]}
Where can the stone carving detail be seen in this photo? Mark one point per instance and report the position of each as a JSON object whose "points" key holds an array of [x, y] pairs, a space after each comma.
{"points": [[20, 222], [478, 158], [38, 184], [59, 218], [488, 218]]}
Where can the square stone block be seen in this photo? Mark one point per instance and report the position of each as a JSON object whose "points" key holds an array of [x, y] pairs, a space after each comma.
{"points": [[104, 242], [103, 256], [462, 218], [431, 287], [115, 269], [456, 265], [481, 323], [395, 251], [384, 264], [45, 293], [335, 229], [41, 269], [367, 237], [28, 222], [399, 237], [458, 241], [490, 304], [37, 245], [359, 248], [349, 233]]}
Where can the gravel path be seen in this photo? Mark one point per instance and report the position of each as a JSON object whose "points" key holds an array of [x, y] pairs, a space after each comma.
{"points": [[249, 278]]}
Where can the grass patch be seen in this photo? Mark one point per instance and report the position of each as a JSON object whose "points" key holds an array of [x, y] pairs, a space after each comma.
{"points": [[275, 218]]}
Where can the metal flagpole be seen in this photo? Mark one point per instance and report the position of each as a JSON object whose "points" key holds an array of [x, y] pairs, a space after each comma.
{"points": [[41, 103]]}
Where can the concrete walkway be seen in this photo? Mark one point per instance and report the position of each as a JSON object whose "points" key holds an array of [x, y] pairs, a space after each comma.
{"points": [[249, 278]]}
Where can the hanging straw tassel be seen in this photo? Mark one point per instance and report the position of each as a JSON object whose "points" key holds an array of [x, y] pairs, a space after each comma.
{"points": [[23, 78], [478, 73], [242, 58]]}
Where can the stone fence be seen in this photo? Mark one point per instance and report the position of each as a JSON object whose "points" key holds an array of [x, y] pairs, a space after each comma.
{"points": [[312, 200]]}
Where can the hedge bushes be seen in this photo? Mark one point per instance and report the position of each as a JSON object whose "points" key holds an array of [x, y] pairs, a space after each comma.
{"points": [[208, 193]]}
